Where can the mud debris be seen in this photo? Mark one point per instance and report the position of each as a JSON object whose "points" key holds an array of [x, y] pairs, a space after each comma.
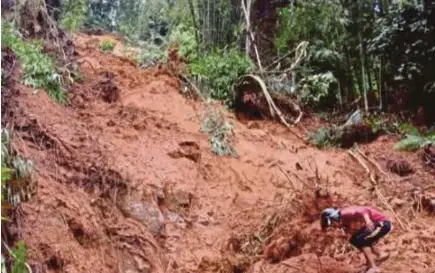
{"points": [[127, 183], [400, 167]]}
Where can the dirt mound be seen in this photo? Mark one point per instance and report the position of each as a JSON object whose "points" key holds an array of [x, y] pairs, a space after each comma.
{"points": [[126, 182]]}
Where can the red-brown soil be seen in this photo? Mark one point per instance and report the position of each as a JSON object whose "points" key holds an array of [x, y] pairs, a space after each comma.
{"points": [[126, 182]]}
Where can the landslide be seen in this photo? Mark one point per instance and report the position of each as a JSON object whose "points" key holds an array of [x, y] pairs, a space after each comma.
{"points": [[127, 182]]}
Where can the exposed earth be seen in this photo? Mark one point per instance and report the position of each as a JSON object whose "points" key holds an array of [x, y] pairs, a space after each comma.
{"points": [[127, 182]]}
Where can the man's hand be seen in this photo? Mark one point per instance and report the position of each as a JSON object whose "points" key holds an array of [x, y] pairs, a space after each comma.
{"points": [[369, 223]]}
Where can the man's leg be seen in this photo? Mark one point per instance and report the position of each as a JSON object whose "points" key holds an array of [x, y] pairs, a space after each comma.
{"points": [[380, 255], [369, 258]]}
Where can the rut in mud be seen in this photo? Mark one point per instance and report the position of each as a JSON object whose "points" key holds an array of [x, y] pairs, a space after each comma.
{"points": [[128, 183]]}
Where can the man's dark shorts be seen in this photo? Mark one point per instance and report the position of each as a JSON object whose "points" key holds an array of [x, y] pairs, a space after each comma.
{"points": [[367, 238]]}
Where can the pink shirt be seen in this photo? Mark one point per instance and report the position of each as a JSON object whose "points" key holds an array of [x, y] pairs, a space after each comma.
{"points": [[356, 213]]}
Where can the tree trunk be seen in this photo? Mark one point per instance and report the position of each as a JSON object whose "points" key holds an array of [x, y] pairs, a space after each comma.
{"points": [[247, 38], [195, 24], [362, 57], [380, 84]]}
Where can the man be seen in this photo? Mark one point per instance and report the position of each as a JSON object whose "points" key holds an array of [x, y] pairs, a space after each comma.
{"points": [[367, 225]]}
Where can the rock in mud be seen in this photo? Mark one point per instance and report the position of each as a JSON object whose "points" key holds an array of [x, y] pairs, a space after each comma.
{"points": [[187, 149], [178, 201], [146, 213]]}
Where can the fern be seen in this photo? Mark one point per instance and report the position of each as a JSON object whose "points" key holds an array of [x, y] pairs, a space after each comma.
{"points": [[38, 68]]}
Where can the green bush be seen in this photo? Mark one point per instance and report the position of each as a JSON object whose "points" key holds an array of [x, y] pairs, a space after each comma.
{"points": [[39, 70], [413, 142], [315, 88], [108, 46], [219, 71], [323, 137], [151, 53], [184, 36], [73, 15]]}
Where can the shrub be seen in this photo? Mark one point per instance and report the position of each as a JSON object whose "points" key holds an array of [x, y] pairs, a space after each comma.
{"points": [[415, 142], [219, 71], [184, 36], [38, 68], [322, 137], [316, 88], [108, 46]]}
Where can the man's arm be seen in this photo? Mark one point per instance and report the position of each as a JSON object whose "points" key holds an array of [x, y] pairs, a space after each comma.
{"points": [[369, 222]]}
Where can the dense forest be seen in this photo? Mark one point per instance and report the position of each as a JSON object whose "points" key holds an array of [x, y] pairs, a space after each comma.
{"points": [[367, 63]]}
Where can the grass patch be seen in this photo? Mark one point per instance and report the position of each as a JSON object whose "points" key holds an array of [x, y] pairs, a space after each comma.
{"points": [[107, 46], [39, 70]]}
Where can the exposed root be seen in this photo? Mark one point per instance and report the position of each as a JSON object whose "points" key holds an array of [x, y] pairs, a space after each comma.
{"points": [[373, 180], [429, 156]]}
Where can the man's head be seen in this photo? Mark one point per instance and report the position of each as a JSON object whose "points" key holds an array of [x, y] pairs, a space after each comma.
{"points": [[327, 215]]}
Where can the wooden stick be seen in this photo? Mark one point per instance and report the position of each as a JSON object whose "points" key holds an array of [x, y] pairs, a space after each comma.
{"points": [[248, 28], [378, 192], [373, 162], [291, 266], [272, 107]]}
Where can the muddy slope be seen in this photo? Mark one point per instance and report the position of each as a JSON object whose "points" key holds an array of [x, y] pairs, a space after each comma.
{"points": [[128, 183]]}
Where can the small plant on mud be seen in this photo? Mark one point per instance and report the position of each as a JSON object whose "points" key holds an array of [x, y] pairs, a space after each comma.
{"points": [[323, 137], [39, 70], [415, 142], [108, 46], [16, 175], [18, 260], [218, 129], [15, 172]]}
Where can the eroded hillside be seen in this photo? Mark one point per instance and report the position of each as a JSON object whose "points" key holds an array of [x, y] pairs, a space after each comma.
{"points": [[127, 182]]}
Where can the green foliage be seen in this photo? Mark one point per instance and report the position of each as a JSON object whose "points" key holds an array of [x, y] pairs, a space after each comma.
{"points": [[152, 53], [185, 36], [319, 22], [414, 142], [16, 174], [321, 138], [218, 129], [20, 258], [407, 128], [73, 14], [38, 68], [316, 87], [220, 70], [108, 46]]}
